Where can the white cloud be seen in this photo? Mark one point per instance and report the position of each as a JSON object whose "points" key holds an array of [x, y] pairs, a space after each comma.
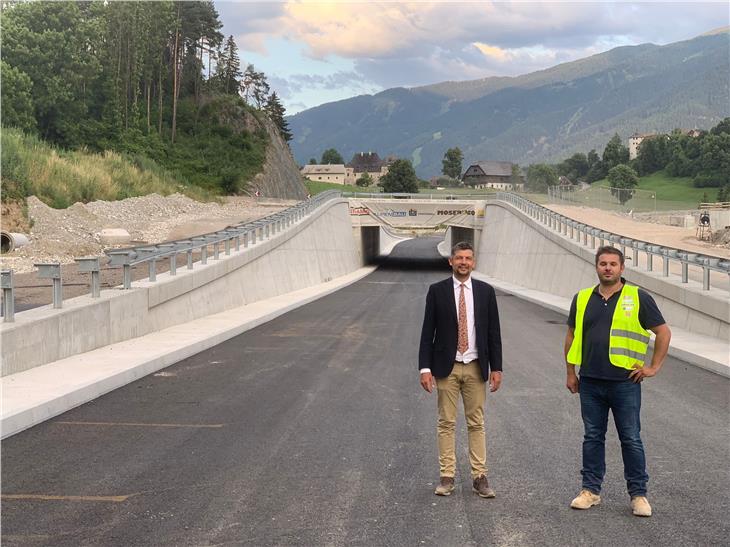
{"points": [[414, 43]]}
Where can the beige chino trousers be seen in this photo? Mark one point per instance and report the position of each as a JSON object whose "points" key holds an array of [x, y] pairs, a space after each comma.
{"points": [[467, 381]]}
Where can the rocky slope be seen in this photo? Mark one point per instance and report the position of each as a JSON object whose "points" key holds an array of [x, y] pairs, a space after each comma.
{"points": [[280, 177]]}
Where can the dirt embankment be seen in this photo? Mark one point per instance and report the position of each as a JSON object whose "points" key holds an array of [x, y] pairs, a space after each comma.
{"points": [[660, 234], [60, 235], [13, 218]]}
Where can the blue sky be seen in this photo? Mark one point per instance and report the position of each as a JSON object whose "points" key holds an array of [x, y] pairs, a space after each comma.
{"points": [[318, 52]]}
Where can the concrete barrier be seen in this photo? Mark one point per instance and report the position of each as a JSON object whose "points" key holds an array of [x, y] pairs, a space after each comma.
{"points": [[316, 249], [517, 249]]}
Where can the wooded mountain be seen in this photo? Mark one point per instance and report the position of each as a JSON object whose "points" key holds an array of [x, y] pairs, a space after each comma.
{"points": [[541, 116]]}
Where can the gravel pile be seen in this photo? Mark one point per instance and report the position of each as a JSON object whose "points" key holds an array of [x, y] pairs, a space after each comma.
{"points": [[60, 235], [721, 237]]}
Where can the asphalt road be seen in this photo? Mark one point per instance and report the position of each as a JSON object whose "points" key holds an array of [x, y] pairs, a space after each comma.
{"points": [[312, 430]]}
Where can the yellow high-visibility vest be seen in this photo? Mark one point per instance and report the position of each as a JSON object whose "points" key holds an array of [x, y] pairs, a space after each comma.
{"points": [[628, 342]]}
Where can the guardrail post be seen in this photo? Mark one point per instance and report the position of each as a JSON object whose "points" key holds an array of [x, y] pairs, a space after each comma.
{"points": [[667, 254], [52, 271], [602, 238], [204, 254], [624, 242], [614, 239], [705, 274], [650, 250], [127, 276], [725, 265], [91, 265], [152, 264], [683, 257], [169, 247], [6, 283]]}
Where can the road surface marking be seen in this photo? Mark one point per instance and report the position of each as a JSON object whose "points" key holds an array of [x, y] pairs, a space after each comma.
{"points": [[44, 497], [136, 424]]}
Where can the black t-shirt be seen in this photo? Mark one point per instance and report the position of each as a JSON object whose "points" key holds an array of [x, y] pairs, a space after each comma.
{"points": [[597, 328]]}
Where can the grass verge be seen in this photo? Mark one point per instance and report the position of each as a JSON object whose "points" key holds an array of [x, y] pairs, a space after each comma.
{"points": [[60, 178]]}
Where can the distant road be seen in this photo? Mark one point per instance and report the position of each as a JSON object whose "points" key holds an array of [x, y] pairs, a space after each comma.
{"points": [[312, 430]]}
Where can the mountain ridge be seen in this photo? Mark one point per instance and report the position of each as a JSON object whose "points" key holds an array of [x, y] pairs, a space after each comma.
{"points": [[541, 116]]}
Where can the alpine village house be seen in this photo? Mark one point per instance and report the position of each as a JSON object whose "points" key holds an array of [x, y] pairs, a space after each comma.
{"points": [[361, 163]]}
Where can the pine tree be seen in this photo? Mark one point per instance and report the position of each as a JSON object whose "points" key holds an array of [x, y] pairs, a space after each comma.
{"points": [[276, 112], [228, 71]]}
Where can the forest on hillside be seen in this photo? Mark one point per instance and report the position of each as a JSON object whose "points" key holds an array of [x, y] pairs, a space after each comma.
{"points": [[152, 80], [703, 156]]}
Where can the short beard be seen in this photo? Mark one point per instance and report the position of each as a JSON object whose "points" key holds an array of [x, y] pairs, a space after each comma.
{"points": [[610, 283]]}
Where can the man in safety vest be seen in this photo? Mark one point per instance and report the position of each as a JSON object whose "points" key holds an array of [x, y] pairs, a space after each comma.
{"points": [[608, 337]]}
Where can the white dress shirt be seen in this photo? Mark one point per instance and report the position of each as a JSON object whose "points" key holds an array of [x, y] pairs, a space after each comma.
{"points": [[471, 352]]}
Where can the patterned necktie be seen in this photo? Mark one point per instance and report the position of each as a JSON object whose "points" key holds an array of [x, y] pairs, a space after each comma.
{"points": [[463, 343]]}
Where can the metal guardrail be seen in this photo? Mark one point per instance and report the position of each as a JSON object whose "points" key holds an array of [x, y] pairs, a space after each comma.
{"points": [[231, 237], [6, 284], [590, 235], [420, 196], [234, 236], [249, 233]]}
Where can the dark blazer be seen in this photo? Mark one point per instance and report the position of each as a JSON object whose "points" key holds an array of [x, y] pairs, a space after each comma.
{"points": [[439, 334]]}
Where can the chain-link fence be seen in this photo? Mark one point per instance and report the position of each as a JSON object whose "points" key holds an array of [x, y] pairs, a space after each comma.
{"points": [[611, 199]]}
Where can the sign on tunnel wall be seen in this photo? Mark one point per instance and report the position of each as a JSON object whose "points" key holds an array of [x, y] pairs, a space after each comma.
{"points": [[400, 214]]}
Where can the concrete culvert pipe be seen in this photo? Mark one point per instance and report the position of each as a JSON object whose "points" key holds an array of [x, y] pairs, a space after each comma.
{"points": [[10, 241]]}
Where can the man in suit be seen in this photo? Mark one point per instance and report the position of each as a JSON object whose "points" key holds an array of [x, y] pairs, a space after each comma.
{"points": [[460, 349]]}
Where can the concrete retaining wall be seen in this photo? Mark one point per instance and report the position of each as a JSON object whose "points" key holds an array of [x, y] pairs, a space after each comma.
{"points": [[317, 249], [517, 249]]}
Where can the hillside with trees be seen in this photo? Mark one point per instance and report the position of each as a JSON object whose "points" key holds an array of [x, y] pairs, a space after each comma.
{"points": [[703, 158], [155, 82]]}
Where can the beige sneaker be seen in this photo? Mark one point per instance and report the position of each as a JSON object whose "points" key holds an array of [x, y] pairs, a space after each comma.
{"points": [[585, 500], [640, 506], [445, 487]]}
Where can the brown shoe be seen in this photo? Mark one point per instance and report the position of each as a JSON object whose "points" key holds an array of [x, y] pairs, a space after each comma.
{"points": [[481, 487], [445, 487]]}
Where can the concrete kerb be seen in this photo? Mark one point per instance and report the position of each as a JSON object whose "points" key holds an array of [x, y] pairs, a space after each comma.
{"points": [[38, 394], [702, 351]]}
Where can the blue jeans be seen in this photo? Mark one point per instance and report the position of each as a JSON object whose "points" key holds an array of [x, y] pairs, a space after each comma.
{"points": [[624, 400]]}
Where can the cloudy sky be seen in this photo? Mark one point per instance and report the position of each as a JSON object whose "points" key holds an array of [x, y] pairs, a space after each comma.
{"points": [[318, 52]]}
